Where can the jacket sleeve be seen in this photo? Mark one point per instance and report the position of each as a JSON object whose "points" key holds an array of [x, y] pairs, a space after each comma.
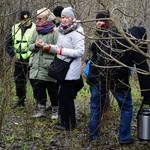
{"points": [[9, 45], [141, 63], [94, 52], [32, 46], [144, 80]]}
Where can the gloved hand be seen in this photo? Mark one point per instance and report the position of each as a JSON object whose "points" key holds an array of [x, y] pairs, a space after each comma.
{"points": [[146, 100], [39, 43], [51, 49]]}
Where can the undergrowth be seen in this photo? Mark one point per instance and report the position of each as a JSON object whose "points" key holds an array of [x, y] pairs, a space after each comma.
{"points": [[21, 132]]}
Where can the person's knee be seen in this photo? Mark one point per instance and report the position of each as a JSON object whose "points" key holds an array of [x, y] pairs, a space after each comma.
{"points": [[126, 107]]}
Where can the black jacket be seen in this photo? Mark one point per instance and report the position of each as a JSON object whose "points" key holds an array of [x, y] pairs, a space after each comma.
{"points": [[118, 48]]}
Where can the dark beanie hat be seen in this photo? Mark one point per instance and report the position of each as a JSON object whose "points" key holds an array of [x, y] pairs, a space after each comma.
{"points": [[25, 14], [102, 14], [57, 11]]}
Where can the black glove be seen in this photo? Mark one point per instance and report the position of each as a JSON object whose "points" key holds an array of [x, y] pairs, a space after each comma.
{"points": [[146, 100]]}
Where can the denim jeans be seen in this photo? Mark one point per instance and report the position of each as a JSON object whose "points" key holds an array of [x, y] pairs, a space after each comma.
{"points": [[94, 122], [124, 100]]}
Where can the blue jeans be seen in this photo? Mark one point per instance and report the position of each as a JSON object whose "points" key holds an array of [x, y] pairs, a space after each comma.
{"points": [[124, 100], [94, 122]]}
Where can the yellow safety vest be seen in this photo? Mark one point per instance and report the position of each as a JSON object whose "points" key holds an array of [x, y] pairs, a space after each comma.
{"points": [[21, 43]]}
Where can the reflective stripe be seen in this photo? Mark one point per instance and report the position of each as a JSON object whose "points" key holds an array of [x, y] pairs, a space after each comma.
{"points": [[21, 43], [24, 56]]}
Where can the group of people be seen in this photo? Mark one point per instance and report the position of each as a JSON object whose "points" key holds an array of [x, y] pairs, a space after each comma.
{"points": [[34, 47], [57, 34]]}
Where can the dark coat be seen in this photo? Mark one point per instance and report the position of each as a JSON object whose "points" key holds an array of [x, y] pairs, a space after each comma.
{"points": [[109, 70]]}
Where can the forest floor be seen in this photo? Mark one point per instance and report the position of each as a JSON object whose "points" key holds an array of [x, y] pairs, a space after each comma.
{"points": [[21, 132]]}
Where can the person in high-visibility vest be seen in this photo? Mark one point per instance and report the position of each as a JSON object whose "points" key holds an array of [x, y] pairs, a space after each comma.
{"points": [[17, 48]]}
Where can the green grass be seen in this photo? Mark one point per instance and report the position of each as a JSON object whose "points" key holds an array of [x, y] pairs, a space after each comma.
{"points": [[22, 131]]}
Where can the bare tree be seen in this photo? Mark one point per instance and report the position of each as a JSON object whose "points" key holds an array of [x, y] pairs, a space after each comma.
{"points": [[124, 14]]}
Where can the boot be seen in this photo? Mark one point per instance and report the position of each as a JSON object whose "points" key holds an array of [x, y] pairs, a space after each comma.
{"points": [[40, 112], [54, 112], [20, 103], [49, 108], [60, 126]]}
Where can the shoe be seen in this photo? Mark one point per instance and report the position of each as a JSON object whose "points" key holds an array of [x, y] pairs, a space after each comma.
{"points": [[60, 127], [19, 104], [41, 112], [94, 138], [130, 141], [49, 108], [39, 115], [54, 116], [54, 113]]}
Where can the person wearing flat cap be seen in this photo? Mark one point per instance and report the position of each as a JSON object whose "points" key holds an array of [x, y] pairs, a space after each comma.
{"points": [[70, 44], [114, 56], [17, 48]]}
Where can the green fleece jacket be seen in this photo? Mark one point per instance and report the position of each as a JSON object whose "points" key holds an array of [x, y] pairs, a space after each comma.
{"points": [[40, 61]]}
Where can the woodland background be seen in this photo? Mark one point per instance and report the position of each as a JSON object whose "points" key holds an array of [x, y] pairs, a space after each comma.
{"points": [[17, 130]]}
